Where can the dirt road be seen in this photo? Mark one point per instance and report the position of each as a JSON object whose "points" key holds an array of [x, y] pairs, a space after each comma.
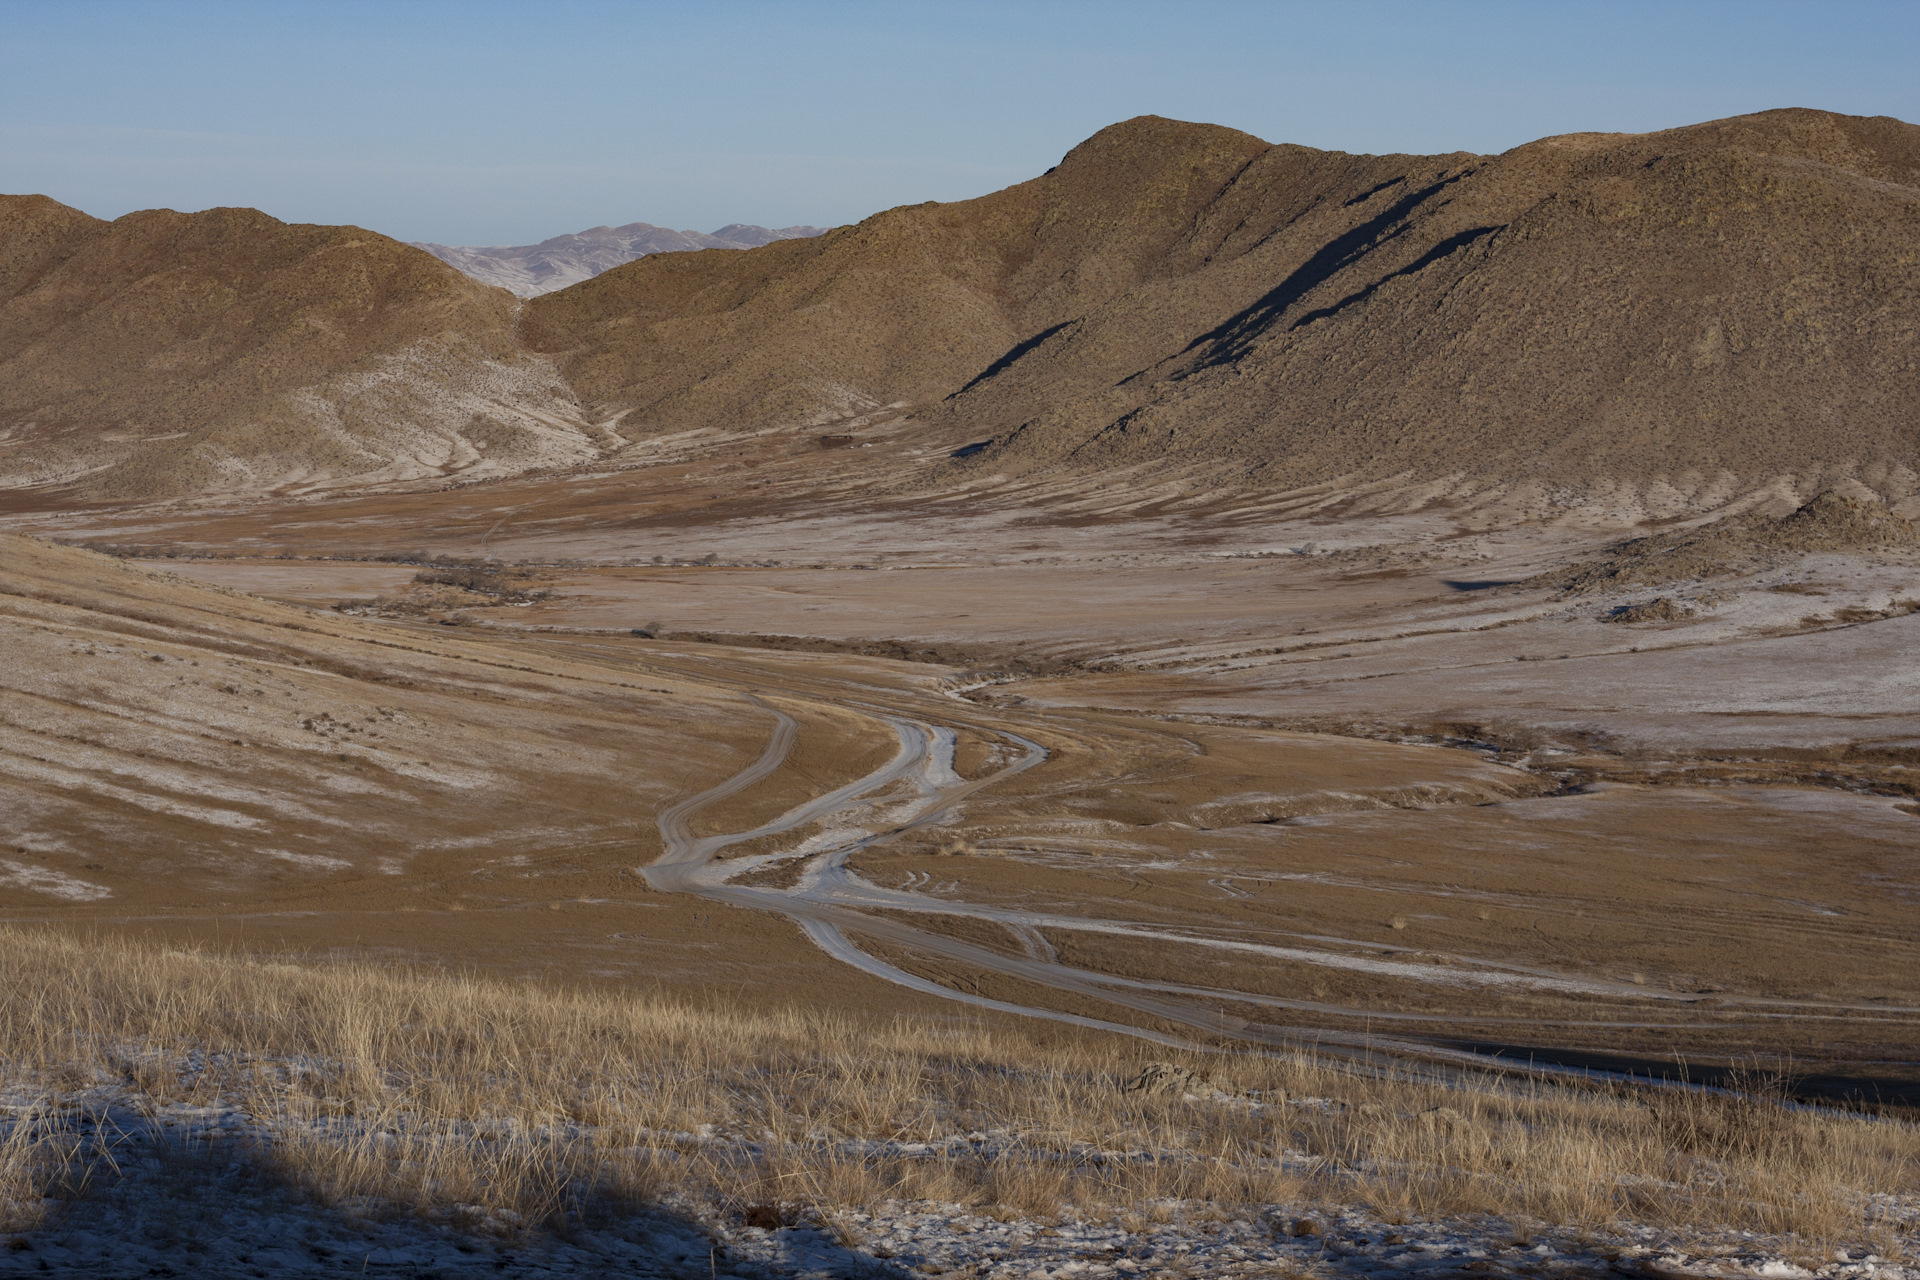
{"points": [[918, 787]]}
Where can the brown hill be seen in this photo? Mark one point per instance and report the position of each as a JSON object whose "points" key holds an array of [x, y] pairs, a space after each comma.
{"points": [[1655, 322], [167, 353], [1643, 324], [907, 306]]}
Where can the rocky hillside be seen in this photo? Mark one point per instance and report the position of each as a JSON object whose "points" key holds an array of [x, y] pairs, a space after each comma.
{"points": [[227, 352], [1653, 321], [1650, 322], [907, 307], [1638, 325]]}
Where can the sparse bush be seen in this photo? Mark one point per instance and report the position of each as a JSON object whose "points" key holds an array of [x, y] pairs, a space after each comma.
{"points": [[40, 1160], [506, 583], [1750, 1120]]}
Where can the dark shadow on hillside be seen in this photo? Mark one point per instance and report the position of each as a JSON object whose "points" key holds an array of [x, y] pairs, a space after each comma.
{"points": [[1899, 1086], [1445, 248], [1372, 191], [1232, 340], [144, 1199], [1012, 357]]}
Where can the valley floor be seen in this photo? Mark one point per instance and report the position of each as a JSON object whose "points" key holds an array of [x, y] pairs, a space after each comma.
{"points": [[1243, 783]]}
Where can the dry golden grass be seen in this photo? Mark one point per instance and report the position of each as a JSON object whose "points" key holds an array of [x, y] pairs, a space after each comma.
{"points": [[506, 1107], [40, 1161]]}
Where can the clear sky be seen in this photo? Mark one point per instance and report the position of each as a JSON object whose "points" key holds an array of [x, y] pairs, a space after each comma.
{"points": [[492, 123]]}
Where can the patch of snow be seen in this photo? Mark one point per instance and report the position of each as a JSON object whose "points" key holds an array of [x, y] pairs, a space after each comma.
{"points": [[58, 884], [533, 269], [313, 861]]}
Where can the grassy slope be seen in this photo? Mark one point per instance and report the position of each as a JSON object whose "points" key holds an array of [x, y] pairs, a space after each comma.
{"points": [[445, 1097]]}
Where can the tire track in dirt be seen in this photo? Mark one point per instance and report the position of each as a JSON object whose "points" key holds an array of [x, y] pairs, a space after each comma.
{"points": [[832, 906]]}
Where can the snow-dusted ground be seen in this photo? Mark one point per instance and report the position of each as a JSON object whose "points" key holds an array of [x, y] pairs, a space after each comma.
{"points": [[185, 1194], [555, 263]]}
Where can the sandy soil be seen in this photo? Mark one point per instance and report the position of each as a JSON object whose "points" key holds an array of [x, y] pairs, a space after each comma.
{"points": [[1298, 637], [1305, 775]]}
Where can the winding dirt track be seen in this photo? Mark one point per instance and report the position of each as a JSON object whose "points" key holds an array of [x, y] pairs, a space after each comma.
{"points": [[833, 904], [820, 903], [1175, 875]]}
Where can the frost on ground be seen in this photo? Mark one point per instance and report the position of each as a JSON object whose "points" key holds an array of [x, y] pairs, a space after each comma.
{"points": [[47, 880], [196, 1191], [176, 1113]]}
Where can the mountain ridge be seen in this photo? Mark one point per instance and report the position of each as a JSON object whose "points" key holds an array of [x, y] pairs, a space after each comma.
{"points": [[221, 352], [1655, 323], [531, 269], [1638, 325], [1727, 301]]}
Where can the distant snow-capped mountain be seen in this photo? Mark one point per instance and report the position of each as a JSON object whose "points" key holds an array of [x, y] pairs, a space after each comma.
{"points": [[529, 269]]}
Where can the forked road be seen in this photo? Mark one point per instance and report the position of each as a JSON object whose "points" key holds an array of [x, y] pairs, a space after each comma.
{"points": [[917, 787], [925, 758]]}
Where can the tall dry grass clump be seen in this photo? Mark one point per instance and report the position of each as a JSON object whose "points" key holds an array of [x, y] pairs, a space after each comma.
{"points": [[508, 1106], [41, 1162]]}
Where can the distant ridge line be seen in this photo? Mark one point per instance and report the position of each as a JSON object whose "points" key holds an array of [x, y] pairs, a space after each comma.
{"points": [[529, 270]]}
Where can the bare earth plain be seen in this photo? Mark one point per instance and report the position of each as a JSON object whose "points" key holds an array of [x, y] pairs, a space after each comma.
{"points": [[1208, 768]]}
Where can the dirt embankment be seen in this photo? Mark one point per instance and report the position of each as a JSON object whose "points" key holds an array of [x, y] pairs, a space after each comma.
{"points": [[1739, 546]]}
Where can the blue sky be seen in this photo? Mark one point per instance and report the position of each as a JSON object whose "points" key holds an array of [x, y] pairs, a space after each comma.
{"points": [[488, 123]]}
